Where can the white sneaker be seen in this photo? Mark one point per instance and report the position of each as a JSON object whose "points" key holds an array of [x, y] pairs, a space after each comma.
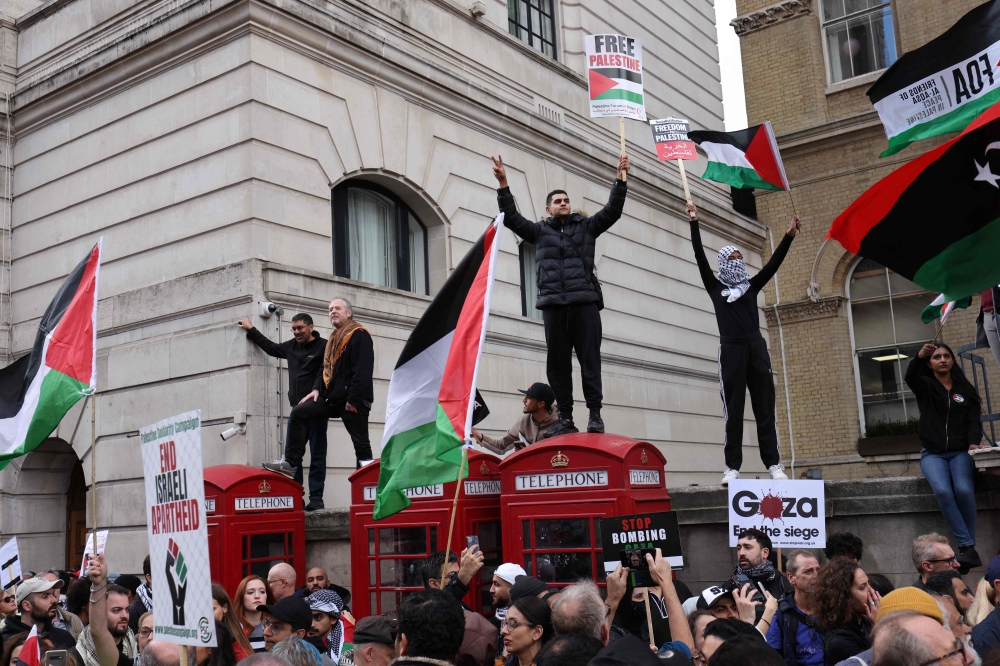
{"points": [[729, 476], [778, 472]]}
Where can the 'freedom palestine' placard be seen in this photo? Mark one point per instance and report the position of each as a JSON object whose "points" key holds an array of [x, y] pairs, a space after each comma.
{"points": [[671, 138], [178, 533], [614, 76]]}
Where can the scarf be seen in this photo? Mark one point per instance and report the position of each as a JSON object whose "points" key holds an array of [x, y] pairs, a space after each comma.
{"points": [[88, 651], [764, 571], [329, 602], [145, 593], [335, 347], [335, 641], [501, 614], [733, 273]]}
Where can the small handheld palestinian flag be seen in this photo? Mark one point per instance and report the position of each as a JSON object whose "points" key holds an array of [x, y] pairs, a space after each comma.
{"points": [[37, 390], [747, 158], [942, 86], [940, 308], [31, 652], [936, 219], [433, 402]]}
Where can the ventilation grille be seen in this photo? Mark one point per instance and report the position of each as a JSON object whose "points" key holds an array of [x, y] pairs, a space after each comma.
{"points": [[549, 114]]}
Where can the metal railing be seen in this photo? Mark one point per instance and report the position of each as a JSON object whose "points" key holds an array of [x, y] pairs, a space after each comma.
{"points": [[979, 368]]}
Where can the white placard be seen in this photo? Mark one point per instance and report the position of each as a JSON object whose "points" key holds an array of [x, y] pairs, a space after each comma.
{"points": [[102, 540], [791, 513], [265, 503], [10, 564], [178, 533], [614, 76], [644, 477], [561, 480], [423, 492], [483, 487]]}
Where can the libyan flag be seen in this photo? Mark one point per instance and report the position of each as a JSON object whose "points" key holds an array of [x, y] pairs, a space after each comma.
{"points": [[432, 402], [940, 308], [936, 219], [37, 390], [747, 158]]}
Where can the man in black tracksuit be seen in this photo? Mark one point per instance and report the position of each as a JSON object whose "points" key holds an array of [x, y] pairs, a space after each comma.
{"points": [[744, 362], [304, 354], [343, 389], [569, 294]]}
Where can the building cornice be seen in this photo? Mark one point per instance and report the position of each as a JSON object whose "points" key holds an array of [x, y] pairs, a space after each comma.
{"points": [[793, 313], [774, 14]]}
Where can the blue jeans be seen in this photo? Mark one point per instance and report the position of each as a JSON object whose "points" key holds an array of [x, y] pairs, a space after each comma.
{"points": [[317, 459], [951, 477]]}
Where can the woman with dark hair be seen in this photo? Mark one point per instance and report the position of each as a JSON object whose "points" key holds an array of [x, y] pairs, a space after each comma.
{"points": [[845, 608], [949, 427], [220, 655], [12, 649], [253, 591], [528, 626], [222, 609]]}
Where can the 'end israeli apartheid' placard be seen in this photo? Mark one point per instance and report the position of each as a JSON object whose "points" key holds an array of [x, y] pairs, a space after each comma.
{"points": [[791, 513], [614, 76], [178, 533]]}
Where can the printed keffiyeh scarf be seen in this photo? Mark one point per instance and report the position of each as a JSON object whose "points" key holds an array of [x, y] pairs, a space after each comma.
{"points": [[146, 594], [329, 602], [733, 273], [88, 651], [764, 571]]}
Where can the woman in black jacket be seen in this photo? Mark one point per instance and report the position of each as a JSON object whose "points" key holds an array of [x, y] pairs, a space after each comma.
{"points": [[845, 607], [949, 427]]}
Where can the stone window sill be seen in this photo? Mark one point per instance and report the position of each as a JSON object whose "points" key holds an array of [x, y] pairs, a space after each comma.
{"points": [[847, 84]]}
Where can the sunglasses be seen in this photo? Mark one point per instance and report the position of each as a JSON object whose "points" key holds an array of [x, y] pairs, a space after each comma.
{"points": [[7, 600]]}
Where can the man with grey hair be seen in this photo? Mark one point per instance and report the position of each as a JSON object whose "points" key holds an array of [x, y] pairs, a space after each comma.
{"points": [[906, 638], [793, 631], [931, 553], [580, 611], [343, 390], [160, 653], [281, 580]]}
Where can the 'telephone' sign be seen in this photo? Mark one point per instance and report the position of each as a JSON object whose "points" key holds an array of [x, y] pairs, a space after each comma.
{"points": [[791, 513], [561, 480], [422, 492]]}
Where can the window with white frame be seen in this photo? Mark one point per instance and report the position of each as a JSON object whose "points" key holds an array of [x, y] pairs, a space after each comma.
{"points": [[529, 280], [859, 37], [534, 23], [888, 333]]}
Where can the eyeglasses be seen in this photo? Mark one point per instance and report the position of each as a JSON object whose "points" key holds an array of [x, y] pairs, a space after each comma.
{"points": [[959, 649], [275, 627], [272, 582], [946, 559], [7, 600], [145, 632], [512, 625]]}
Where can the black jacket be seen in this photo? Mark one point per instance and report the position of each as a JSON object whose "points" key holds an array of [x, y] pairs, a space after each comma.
{"points": [[304, 361], [949, 421], [352, 375], [844, 642], [12, 626], [565, 271], [986, 634]]}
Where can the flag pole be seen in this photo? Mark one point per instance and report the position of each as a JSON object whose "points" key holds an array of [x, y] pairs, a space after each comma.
{"points": [[454, 509], [938, 331], [623, 175], [684, 180], [93, 462], [649, 619], [791, 200]]}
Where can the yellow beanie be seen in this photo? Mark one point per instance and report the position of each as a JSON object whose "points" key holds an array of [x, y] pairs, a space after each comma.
{"points": [[910, 598]]}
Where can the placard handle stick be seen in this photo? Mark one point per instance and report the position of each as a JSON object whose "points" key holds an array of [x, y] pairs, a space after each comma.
{"points": [[781, 569], [93, 463], [184, 653], [684, 180], [454, 509], [622, 175], [649, 619]]}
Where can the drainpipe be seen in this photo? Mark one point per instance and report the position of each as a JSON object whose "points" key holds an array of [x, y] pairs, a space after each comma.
{"points": [[784, 364], [281, 400]]}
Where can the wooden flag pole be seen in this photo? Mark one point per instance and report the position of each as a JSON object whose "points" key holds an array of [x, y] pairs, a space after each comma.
{"points": [[938, 331], [684, 180], [454, 509], [649, 619], [93, 463], [791, 200], [623, 175]]}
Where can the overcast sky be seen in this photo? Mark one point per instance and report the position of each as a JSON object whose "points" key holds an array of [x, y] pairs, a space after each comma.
{"points": [[733, 102]]}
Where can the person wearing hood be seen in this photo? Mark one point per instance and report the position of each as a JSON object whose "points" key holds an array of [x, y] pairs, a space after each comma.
{"points": [[744, 362]]}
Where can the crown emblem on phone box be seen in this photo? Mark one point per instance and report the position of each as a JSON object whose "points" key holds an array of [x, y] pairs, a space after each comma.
{"points": [[559, 460]]}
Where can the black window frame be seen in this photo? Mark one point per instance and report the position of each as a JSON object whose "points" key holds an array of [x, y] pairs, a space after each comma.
{"points": [[341, 241], [522, 28], [527, 304]]}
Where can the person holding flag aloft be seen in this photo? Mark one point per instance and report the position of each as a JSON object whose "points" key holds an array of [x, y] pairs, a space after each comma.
{"points": [[744, 362]]}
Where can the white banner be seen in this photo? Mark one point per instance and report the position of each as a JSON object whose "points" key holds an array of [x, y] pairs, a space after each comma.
{"points": [[102, 540], [178, 533], [10, 565], [791, 513]]}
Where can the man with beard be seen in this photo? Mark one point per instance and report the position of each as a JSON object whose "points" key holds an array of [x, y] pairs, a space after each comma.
{"points": [[327, 629], [503, 580], [793, 631], [37, 604], [109, 643], [752, 549]]}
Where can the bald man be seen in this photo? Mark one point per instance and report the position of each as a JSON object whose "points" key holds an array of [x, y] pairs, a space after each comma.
{"points": [[281, 579], [160, 653]]}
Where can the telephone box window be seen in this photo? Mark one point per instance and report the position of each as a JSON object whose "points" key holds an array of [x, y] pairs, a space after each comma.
{"points": [[491, 545], [394, 558], [265, 550], [562, 551]]}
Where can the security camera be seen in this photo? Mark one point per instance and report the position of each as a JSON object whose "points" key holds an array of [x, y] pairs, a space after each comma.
{"points": [[227, 435], [265, 309]]}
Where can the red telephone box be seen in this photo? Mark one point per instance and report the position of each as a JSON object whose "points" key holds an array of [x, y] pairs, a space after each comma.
{"points": [[554, 490], [386, 555], [255, 520]]}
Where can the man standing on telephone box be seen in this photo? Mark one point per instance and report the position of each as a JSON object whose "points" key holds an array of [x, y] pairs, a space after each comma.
{"points": [[569, 294]]}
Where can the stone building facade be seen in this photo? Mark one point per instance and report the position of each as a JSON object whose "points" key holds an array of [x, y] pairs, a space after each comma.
{"points": [[807, 65], [220, 146]]}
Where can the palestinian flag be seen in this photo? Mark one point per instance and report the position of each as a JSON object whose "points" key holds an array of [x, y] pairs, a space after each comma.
{"points": [[615, 83], [936, 219], [940, 308], [433, 403], [942, 86], [747, 158], [31, 653], [38, 389]]}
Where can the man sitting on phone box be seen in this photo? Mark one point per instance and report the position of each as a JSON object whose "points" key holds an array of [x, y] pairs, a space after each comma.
{"points": [[539, 416]]}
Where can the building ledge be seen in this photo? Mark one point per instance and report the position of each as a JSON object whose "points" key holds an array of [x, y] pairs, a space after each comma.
{"points": [[328, 524], [854, 82]]}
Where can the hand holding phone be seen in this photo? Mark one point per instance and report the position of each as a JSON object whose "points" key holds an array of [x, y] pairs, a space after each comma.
{"points": [[472, 542]]}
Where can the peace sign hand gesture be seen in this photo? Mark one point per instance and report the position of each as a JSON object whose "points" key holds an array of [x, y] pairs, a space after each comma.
{"points": [[499, 171]]}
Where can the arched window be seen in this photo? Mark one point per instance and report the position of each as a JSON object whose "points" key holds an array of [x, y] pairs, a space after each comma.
{"points": [[377, 238], [887, 333]]}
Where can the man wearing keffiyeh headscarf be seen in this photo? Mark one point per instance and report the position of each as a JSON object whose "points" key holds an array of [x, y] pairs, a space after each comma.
{"points": [[326, 608], [744, 362]]}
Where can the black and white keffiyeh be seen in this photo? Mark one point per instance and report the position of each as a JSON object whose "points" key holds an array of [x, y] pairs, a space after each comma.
{"points": [[329, 602], [733, 273], [145, 593]]}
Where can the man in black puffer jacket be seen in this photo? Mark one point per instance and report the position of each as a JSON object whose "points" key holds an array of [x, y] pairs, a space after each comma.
{"points": [[569, 294]]}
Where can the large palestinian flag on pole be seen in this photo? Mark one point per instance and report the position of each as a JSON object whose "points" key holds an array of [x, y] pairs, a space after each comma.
{"points": [[433, 403], [37, 390], [940, 309], [747, 158], [936, 219], [943, 85]]}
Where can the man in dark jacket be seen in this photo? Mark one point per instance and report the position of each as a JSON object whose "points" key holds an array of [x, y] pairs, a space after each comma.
{"points": [[304, 354], [793, 631], [343, 390], [37, 604], [569, 294], [986, 634], [431, 629]]}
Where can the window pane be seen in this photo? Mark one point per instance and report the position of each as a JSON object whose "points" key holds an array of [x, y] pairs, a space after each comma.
{"points": [[370, 217], [267, 545], [838, 52], [881, 385], [832, 9], [371, 573], [400, 573], [527, 565], [402, 541], [371, 542], [529, 281], [860, 43], [392, 600], [526, 534], [868, 281], [564, 567], [418, 256], [900, 285], [562, 533], [909, 327], [872, 324], [489, 536]]}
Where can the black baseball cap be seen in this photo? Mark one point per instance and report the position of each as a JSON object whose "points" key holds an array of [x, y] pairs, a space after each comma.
{"points": [[294, 610], [711, 595], [540, 391]]}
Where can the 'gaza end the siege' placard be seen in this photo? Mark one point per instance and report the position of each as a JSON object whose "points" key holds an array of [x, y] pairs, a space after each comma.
{"points": [[791, 513]]}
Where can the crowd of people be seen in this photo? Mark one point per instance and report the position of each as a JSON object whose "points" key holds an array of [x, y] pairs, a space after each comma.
{"points": [[804, 613]]}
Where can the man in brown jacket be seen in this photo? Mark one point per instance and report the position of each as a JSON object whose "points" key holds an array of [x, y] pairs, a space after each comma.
{"points": [[539, 416]]}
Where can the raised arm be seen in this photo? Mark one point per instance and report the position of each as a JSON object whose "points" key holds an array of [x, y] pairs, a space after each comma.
{"points": [[512, 219], [707, 276], [612, 211], [917, 368], [676, 619], [258, 338], [771, 267], [104, 642], [498, 445]]}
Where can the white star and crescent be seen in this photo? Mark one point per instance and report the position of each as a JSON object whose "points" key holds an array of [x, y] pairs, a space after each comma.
{"points": [[985, 173]]}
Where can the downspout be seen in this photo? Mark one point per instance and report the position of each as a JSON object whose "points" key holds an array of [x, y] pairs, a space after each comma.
{"points": [[281, 400], [784, 364]]}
